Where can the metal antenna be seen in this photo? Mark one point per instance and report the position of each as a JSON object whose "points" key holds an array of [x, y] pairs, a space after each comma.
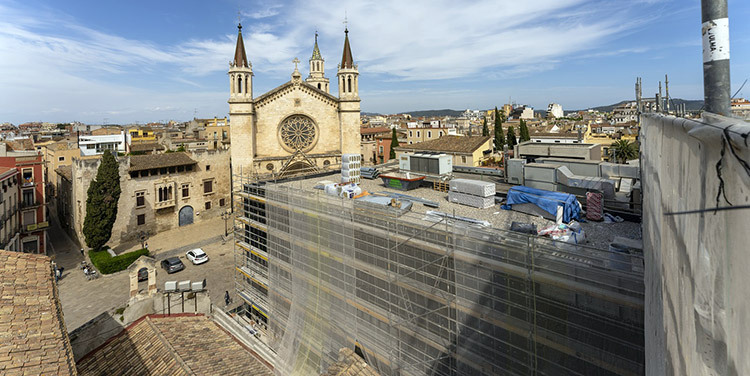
{"points": [[666, 87], [346, 21]]}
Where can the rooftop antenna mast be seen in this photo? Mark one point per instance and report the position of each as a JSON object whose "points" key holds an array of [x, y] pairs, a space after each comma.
{"points": [[666, 87]]}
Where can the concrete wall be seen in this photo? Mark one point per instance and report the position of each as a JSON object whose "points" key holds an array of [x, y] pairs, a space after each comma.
{"points": [[697, 301]]}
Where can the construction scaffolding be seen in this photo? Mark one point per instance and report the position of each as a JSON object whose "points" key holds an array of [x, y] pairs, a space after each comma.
{"points": [[426, 297]]}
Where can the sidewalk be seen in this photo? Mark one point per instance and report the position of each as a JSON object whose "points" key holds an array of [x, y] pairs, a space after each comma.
{"points": [[180, 237]]}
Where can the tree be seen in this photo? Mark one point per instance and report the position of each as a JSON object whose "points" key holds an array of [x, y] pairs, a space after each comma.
{"points": [[524, 131], [485, 130], [394, 144], [623, 150], [101, 203], [499, 137], [511, 138]]}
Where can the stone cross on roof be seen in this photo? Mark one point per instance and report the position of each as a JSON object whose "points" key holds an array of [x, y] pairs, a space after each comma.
{"points": [[295, 61]]}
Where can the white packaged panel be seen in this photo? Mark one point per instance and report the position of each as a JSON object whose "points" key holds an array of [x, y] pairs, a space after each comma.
{"points": [[471, 200], [473, 187]]}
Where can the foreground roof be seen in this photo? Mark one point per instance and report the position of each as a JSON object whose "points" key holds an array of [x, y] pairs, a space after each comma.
{"points": [[147, 162], [172, 345], [453, 144], [33, 338]]}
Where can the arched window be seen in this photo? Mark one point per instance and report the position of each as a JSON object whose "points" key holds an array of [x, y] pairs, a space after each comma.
{"points": [[161, 194], [318, 85], [239, 84], [247, 82], [349, 84]]}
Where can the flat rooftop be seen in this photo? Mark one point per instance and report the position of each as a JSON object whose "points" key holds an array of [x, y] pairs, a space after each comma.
{"points": [[598, 234]]}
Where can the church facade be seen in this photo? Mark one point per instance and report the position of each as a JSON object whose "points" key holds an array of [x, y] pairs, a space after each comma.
{"points": [[298, 127]]}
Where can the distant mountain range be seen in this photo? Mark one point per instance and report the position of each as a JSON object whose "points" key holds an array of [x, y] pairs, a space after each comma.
{"points": [[691, 105]]}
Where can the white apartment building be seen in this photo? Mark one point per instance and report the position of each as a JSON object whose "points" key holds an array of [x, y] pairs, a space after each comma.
{"points": [[93, 145]]}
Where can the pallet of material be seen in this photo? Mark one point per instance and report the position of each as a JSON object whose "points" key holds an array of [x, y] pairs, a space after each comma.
{"points": [[471, 200], [473, 187]]}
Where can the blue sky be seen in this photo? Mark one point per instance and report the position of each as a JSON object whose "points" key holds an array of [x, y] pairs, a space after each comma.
{"points": [[128, 61]]}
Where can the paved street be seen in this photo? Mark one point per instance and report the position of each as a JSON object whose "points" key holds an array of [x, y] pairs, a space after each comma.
{"points": [[83, 300]]}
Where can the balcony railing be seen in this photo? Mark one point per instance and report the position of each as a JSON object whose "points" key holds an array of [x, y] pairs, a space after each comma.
{"points": [[164, 204], [29, 204]]}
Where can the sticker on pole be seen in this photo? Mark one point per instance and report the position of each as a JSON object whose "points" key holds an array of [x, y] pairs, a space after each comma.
{"points": [[715, 40]]}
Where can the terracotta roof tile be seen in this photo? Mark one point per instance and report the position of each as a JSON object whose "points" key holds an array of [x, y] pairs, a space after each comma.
{"points": [[146, 147], [147, 162], [449, 144], [172, 345], [65, 171], [33, 338]]}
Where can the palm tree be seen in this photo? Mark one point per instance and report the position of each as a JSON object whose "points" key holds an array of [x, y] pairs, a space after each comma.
{"points": [[623, 150]]}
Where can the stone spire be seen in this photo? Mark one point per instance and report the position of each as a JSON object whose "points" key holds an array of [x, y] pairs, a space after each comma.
{"points": [[346, 59], [240, 58], [316, 51], [317, 69]]}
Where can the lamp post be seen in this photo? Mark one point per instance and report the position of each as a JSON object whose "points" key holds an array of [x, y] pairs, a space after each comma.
{"points": [[225, 216]]}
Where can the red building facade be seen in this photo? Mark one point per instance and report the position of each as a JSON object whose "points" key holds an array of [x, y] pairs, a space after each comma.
{"points": [[32, 203]]}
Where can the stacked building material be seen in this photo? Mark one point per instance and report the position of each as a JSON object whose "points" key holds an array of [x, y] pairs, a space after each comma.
{"points": [[474, 193], [369, 172], [350, 168]]}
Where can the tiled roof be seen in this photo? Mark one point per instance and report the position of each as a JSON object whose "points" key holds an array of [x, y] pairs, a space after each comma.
{"points": [[147, 162], [21, 144], [33, 338], [65, 171], [349, 364], [172, 345], [374, 130], [450, 144], [146, 147]]}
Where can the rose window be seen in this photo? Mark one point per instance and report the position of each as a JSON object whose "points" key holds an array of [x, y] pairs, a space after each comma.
{"points": [[297, 132]]}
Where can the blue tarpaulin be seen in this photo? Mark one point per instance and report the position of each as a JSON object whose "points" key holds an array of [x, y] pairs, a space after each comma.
{"points": [[545, 200]]}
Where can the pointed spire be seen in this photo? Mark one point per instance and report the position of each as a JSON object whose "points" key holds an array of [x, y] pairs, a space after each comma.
{"points": [[240, 58], [316, 51], [346, 59]]}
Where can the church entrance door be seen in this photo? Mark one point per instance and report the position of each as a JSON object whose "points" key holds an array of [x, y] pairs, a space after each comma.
{"points": [[186, 215]]}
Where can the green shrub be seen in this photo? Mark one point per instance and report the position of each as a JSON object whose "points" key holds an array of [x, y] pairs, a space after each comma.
{"points": [[108, 265]]}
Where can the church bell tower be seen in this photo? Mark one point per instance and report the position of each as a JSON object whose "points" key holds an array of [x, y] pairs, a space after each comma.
{"points": [[317, 70], [241, 108], [349, 102]]}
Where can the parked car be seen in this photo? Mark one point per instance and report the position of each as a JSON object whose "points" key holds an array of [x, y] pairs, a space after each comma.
{"points": [[142, 274], [196, 256], [172, 265]]}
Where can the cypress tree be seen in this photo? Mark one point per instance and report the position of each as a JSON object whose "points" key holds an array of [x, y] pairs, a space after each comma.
{"points": [[101, 203], [499, 137], [524, 131], [394, 143], [511, 139], [485, 130]]}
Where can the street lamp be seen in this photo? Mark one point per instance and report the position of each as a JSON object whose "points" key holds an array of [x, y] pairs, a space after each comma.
{"points": [[225, 216]]}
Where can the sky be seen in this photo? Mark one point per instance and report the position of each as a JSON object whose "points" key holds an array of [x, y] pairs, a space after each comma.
{"points": [[142, 61]]}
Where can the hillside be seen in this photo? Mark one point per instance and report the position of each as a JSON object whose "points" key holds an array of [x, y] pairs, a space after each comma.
{"points": [[691, 105], [428, 113]]}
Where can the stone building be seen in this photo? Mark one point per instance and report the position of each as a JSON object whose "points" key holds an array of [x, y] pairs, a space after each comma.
{"points": [[298, 126], [159, 192], [10, 230]]}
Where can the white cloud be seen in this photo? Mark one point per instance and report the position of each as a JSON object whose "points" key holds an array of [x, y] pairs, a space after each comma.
{"points": [[48, 56]]}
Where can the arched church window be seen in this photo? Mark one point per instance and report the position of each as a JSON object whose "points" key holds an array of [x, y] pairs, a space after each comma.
{"points": [[239, 84], [318, 86], [349, 84], [246, 83], [297, 132]]}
